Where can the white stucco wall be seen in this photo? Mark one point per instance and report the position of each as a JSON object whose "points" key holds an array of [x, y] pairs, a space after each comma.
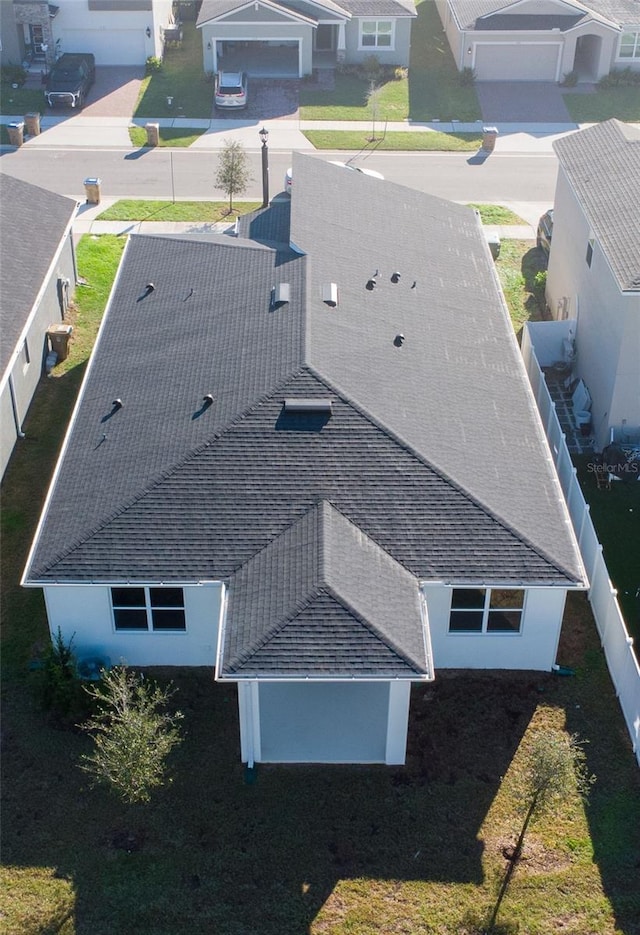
{"points": [[84, 613], [398, 55], [323, 722], [534, 647], [608, 320], [115, 37]]}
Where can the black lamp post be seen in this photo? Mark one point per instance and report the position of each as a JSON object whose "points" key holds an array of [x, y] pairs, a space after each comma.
{"points": [[264, 136]]}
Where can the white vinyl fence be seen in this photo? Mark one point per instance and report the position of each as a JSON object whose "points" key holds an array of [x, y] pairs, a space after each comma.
{"points": [[615, 640]]}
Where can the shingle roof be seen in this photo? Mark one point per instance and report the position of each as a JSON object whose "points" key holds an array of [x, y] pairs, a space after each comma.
{"points": [[212, 9], [433, 452], [469, 13], [602, 164], [33, 222], [324, 599]]}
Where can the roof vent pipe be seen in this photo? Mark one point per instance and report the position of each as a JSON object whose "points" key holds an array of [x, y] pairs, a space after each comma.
{"points": [[207, 401], [330, 293], [395, 277], [117, 404]]}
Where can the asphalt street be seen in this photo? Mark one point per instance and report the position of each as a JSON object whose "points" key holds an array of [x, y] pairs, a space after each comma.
{"points": [[188, 174]]}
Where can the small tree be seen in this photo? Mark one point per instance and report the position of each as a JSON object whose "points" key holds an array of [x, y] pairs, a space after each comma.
{"points": [[60, 687], [555, 768], [132, 734], [373, 101], [232, 175]]}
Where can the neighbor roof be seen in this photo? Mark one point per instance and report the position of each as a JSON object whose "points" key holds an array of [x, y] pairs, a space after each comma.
{"points": [[602, 164], [33, 223], [470, 14]]}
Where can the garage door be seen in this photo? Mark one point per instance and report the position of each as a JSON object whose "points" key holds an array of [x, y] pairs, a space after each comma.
{"points": [[326, 722], [110, 46], [516, 61]]}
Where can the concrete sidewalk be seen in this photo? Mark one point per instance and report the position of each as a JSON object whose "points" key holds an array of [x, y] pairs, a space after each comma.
{"points": [[86, 222], [285, 135]]}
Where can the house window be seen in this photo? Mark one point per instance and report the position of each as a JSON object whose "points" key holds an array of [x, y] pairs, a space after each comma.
{"points": [[376, 34], [486, 610], [148, 608], [589, 256], [629, 45]]}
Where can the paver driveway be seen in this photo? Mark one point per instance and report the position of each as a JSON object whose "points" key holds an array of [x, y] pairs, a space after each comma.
{"points": [[522, 102]]}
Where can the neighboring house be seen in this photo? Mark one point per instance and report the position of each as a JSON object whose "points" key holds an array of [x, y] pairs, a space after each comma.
{"points": [[542, 40], [594, 268], [275, 38], [117, 32], [314, 464], [37, 280]]}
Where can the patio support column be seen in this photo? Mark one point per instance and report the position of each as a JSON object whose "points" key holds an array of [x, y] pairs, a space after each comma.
{"points": [[341, 38], [397, 723]]}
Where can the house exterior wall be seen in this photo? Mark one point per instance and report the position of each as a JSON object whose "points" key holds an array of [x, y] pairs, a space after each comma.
{"points": [[323, 722], [608, 320], [398, 55], [115, 36], [286, 31], [25, 375], [12, 51], [83, 612], [534, 647]]}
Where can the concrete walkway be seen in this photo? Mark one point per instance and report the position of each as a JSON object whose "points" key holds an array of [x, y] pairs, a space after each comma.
{"points": [[86, 222], [64, 132]]}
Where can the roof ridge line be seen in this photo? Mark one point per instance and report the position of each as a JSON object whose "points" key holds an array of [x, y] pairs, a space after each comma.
{"points": [[488, 511]]}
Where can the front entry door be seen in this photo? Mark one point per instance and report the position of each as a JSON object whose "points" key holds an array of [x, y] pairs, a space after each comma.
{"points": [[37, 39], [324, 38]]}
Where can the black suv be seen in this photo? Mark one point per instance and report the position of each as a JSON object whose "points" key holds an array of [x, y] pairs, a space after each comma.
{"points": [[69, 80]]}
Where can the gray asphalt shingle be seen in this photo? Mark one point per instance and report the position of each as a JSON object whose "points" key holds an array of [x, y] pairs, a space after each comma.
{"points": [[602, 164]]}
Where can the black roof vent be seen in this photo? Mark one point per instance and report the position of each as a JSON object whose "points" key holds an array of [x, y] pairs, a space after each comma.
{"points": [[207, 401], [308, 405], [395, 277], [371, 284], [117, 404], [398, 340]]}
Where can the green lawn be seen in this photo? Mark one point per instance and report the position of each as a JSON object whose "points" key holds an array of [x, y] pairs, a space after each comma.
{"points": [[498, 214], [404, 142], [319, 850], [517, 265], [21, 101], [623, 103], [174, 210], [615, 514], [169, 136], [432, 91], [182, 77]]}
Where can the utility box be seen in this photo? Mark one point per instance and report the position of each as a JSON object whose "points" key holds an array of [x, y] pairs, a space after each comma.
{"points": [[59, 336], [32, 124], [489, 137], [16, 133], [493, 240], [153, 134], [92, 191]]}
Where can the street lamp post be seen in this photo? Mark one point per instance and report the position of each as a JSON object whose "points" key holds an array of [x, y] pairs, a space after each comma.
{"points": [[264, 136]]}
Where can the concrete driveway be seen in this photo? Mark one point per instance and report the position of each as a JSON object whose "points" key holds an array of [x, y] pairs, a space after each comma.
{"points": [[522, 102], [269, 99]]}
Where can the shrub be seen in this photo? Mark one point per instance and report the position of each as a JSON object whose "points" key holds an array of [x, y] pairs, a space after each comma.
{"points": [[61, 688], [620, 78], [13, 74], [153, 64], [370, 68], [540, 282], [400, 73], [569, 79], [467, 77]]}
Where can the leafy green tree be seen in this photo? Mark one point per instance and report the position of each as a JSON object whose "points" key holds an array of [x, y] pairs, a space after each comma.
{"points": [[232, 176], [60, 687], [133, 734]]}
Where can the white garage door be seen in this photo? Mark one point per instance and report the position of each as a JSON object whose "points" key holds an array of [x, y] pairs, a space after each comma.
{"points": [[110, 46], [516, 61], [323, 722]]}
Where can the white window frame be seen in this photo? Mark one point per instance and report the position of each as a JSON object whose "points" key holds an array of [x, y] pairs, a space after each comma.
{"points": [[486, 609], [148, 607], [635, 55], [375, 47], [26, 356]]}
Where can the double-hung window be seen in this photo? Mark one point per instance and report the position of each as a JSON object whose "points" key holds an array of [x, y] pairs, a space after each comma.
{"points": [[486, 610], [148, 608], [376, 34], [629, 45]]}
